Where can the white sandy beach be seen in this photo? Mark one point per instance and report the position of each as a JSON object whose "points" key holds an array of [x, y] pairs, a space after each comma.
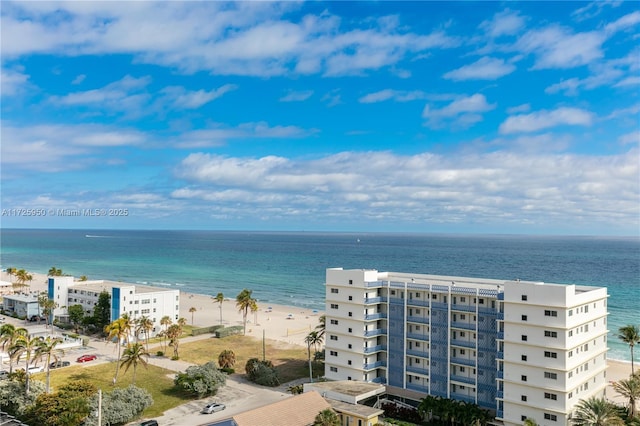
{"points": [[281, 323]]}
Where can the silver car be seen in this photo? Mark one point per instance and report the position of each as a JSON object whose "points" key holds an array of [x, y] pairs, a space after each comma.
{"points": [[212, 408]]}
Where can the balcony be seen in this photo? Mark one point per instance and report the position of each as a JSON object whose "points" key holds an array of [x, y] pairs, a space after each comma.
{"points": [[420, 320], [377, 332], [417, 370], [500, 335], [499, 415], [500, 316], [463, 361], [417, 388], [500, 375], [421, 354], [500, 394], [380, 380], [463, 343], [373, 284], [421, 337], [374, 300], [417, 302], [500, 355], [465, 398], [463, 379], [463, 325], [463, 308], [438, 305], [373, 365], [376, 316], [373, 349]]}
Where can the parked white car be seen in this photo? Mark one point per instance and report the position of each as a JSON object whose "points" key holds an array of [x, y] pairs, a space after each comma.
{"points": [[35, 369]]}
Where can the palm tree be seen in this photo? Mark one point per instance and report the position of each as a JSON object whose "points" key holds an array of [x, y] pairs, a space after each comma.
{"points": [[244, 302], [219, 298], [227, 358], [191, 311], [24, 345], [47, 350], [23, 276], [630, 389], [8, 335], [309, 340], [173, 333], [166, 322], [254, 310], [54, 272], [320, 328], [327, 417], [596, 412], [118, 330], [133, 355], [630, 334], [145, 325]]}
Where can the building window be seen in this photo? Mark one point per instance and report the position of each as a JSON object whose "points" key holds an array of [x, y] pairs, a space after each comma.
{"points": [[334, 322], [481, 301], [463, 300], [334, 306], [523, 418], [434, 296], [548, 313], [349, 362], [333, 353], [524, 337], [523, 398], [524, 357], [524, 297], [334, 290], [551, 396], [550, 375], [548, 354], [333, 369], [523, 317], [551, 417], [570, 312], [350, 346], [548, 333], [350, 314], [350, 297], [350, 330], [333, 337], [523, 378]]}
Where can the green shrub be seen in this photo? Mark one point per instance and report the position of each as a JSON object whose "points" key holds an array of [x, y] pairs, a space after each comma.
{"points": [[262, 372], [228, 370], [159, 353], [201, 380]]}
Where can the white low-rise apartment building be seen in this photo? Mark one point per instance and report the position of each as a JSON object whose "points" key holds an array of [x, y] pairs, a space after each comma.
{"points": [[135, 300], [521, 349]]}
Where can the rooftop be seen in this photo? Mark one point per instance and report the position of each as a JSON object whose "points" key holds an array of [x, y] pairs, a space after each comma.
{"points": [[299, 410]]}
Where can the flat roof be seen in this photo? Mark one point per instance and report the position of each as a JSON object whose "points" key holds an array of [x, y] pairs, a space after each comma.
{"points": [[348, 387], [27, 298], [100, 285], [356, 409]]}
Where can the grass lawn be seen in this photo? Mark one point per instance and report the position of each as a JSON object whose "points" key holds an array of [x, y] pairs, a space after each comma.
{"points": [[153, 379], [289, 360]]}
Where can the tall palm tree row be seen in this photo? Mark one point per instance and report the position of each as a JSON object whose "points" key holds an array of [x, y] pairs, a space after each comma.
{"points": [[165, 321], [244, 302], [26, 345], [630, 334], [144, 325]]}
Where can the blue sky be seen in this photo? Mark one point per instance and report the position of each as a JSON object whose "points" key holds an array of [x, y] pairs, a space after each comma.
{"points": [[482, 117]]}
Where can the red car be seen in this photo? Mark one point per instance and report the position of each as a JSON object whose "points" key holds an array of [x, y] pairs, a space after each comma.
{"points": [[85, 358]]}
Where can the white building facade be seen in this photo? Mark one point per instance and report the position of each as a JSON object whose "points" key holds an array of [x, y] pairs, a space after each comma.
{"points": [[135, 300], [521, 349]]}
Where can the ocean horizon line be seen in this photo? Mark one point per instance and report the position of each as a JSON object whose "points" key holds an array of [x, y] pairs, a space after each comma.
{"points": [[338, 232]]}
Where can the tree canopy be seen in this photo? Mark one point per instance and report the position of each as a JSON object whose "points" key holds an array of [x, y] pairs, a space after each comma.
{"points": [[201, 380]]}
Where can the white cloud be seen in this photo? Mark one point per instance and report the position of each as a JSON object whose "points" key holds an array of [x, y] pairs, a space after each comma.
{"points": [[464, 111], [543, 119], [79, 79], [245, 38], [623, 23], [507, 22], [395, 95], [630, 138], [221, 134], [485, 68], [293, 96], [530, 187], [180, 98], [519, 108], [557, 47], [12, 81], [593, 9]]}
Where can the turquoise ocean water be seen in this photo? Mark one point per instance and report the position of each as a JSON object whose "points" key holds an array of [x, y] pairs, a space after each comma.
{"points": [[289, 268]]}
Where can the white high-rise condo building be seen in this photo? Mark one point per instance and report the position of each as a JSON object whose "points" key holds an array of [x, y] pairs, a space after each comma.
{"points": [[521, 349]]}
